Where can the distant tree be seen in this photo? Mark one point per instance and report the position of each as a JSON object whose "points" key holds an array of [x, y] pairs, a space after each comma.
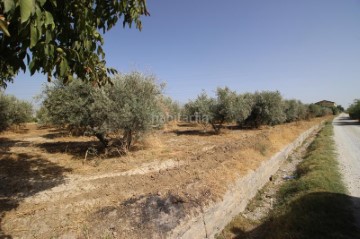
{"points": [[268, 109], [171, 109], [13, 111], [335, 110], [319, 111], [116, 114], [61, 38], [227, 107], [340, 108], [315, 110], [354, 110], [244, 106], [199, 110], [42, 116], [294, 110]]}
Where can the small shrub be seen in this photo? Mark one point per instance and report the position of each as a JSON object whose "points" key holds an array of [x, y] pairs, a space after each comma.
{"points": [[354, 110]]}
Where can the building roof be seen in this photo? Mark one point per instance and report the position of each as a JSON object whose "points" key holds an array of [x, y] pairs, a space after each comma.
{"points": [[325, 101]]}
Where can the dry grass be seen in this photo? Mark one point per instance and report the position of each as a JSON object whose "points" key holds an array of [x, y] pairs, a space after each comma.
{"points": [[182, 160]]}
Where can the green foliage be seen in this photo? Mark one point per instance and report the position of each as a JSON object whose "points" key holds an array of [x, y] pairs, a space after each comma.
{"points": [[243, 109], [61, 38], [223, 108], [354, 110], [317, 110], [13, 111], [267, 109], [199, 110], [294, 110], [250, 109], [226, 107], [335, 110], [42, 116], [130, 106], [340, 108], [171, 109]]}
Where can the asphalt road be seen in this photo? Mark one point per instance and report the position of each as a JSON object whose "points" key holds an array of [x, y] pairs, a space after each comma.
{"points": [[347, 139]]}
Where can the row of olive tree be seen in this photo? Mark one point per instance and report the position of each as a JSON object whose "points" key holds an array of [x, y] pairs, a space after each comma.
{"points": [[249, 109], [354, 110], [13, 111], [116, 114]]}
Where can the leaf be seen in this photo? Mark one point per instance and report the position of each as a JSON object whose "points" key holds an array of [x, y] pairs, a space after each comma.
{"points": [[34, 35], [49, 20], [32, 67], [63, 67], [48, 36], [3, 27], [26, 8], [9, 5], [46, 49]]}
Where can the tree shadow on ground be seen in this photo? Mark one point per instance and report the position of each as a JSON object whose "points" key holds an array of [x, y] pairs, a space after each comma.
{"points": [[196, 132], [187, 124], [56, 133], [76, 149], [23, 175], [6, 144], [315, 215], [346, 121]]}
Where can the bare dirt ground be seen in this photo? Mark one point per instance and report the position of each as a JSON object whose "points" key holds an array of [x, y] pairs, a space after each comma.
{"points": [[48, 191], [347, 139]]}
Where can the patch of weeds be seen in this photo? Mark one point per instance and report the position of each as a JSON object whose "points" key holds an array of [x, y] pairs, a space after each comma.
{"points": [[86, 232], [255, 202]]}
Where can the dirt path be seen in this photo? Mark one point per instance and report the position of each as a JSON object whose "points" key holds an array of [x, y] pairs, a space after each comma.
{"points": [[347, 139]]}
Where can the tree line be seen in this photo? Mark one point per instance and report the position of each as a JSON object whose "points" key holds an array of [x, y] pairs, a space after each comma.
{"points": [[121, 113], [251, 110]]}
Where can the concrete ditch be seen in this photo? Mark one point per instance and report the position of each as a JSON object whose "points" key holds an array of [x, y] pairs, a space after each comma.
{"points": [[211, 220]]}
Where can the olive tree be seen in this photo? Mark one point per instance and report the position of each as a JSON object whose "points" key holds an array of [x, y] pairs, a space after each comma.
{"points": [[61, 38], [267, 109], [227, 107], [171, 110], [13, 111], [245, 104], [318, 110], [294, 110], [199, 110], [115, 114]]}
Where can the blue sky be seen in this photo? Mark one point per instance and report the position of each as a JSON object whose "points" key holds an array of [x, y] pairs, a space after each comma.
{"points": [[308, 49]]}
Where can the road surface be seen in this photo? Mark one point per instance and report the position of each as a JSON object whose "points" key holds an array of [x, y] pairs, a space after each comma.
{"points": [[347, 139]]}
